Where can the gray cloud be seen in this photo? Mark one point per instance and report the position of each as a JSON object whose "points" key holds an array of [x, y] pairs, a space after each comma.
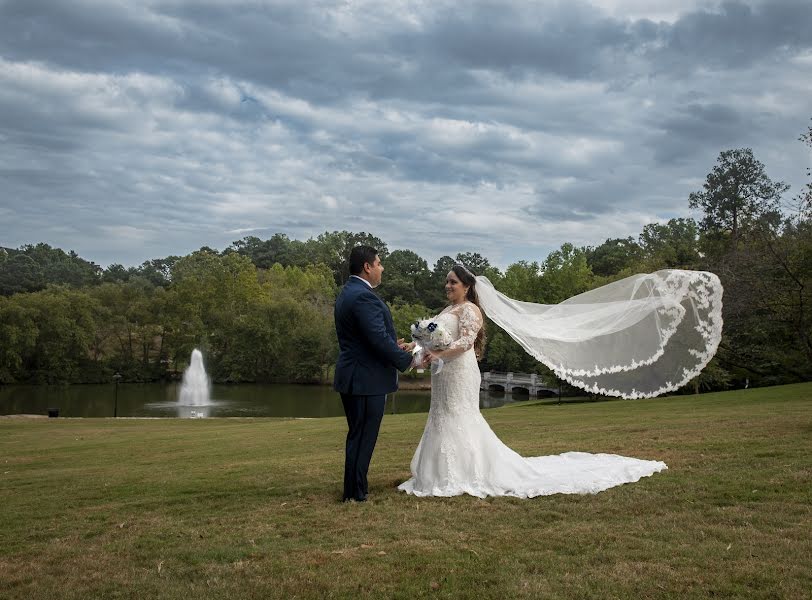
{"points": [[716, 125], [737, 35], [130, 130]]}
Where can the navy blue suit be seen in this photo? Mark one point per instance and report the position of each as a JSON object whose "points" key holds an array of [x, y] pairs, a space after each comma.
{"points": [[366, 370]]}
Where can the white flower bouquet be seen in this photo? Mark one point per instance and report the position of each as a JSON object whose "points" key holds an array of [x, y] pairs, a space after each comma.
{"points": [[429, 335]]}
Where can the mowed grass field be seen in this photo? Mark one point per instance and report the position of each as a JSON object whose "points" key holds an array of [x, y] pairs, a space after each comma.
{"points": [[250, 508]]}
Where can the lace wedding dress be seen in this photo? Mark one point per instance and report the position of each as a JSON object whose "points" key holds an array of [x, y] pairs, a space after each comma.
{"points": [[460, 454]]}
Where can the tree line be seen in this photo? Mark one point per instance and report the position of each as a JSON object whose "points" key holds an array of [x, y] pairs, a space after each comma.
{"points": [[261, 310]]}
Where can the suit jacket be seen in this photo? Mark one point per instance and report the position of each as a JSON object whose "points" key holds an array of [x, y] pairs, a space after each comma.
{"points": [[369, 357]]}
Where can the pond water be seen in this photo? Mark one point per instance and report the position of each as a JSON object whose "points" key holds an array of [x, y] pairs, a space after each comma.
{"points": [[244, 400]]}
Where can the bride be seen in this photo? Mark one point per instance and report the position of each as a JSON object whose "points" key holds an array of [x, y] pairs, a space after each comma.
{"points": [[460, 454]]}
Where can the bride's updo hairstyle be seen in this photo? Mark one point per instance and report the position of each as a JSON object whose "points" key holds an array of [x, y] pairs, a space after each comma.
{"points": [[469, 279]]}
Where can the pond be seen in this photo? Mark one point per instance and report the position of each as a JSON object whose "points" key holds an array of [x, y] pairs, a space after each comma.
{"points": [[244, 400]]}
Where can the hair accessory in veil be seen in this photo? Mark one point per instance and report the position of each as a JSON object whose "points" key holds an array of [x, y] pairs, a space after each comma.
{"points": [[466, 269]]}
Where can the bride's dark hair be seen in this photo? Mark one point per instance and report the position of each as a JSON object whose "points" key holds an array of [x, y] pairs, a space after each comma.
{"points": [[469, 279]]}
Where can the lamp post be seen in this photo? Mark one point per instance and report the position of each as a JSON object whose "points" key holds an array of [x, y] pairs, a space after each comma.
{"points": [[116, 378]]}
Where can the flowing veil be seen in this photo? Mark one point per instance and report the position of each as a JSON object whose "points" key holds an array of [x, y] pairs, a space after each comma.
{"points": [[639, 337]]}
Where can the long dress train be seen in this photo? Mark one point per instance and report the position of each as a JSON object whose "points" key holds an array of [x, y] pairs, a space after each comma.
{"points": [[460, 454]]}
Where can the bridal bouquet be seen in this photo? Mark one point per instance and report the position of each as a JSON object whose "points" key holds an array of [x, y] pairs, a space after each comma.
{"points": [[429, 335]]}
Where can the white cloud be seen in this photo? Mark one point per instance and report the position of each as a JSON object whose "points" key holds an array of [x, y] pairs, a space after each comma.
{"points": [[136, 131]]}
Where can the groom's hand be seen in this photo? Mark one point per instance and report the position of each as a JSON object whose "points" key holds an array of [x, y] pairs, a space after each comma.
{"points": [[404, 346]]}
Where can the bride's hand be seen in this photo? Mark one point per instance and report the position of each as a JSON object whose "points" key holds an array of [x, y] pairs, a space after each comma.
{"points": [[434, 356], [437, 354]]}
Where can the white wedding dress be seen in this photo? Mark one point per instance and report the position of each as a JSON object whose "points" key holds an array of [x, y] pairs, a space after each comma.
{"points": [[460, 454]]}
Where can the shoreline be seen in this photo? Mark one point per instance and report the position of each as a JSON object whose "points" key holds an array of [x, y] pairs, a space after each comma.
{"points": [[419, 384]]}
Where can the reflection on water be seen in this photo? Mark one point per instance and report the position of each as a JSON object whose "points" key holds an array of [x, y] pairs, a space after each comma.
{"points": [[184, 411], [197, 412], [244, 400]]}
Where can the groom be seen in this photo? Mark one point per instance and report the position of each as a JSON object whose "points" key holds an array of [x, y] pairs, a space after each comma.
{"points": [[366, 370]]}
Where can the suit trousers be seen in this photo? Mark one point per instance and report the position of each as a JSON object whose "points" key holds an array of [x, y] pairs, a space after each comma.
{"points": [[364, 415]]}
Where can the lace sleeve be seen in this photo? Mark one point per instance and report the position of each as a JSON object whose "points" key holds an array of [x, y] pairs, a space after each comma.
{"points": [[470, 323]]}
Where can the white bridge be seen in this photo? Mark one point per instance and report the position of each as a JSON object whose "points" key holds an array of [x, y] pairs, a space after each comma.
{"points": [[529, 382]]}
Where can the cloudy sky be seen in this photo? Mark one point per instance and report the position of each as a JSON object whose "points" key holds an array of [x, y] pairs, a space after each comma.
{"points": [[132, 130]]}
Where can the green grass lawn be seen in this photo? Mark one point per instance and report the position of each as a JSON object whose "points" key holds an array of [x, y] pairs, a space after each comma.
{"points": [[249, 508]]}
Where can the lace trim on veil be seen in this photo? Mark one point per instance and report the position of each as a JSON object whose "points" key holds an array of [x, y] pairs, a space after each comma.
{"points": [[700, 290]]}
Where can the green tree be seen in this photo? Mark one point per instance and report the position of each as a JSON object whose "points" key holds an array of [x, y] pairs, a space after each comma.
{"points": [[19, 273], [475, 262], [278, 249], [404, 315], [19, 331], [115, 273], [504, 354], [333, 249], [299, 308], [65, 324], [613, 256], [771, 290], [713, 377], [406, 275], [805, 198], [131, 328], [765, 274], [157, 271], [669, 245], [565, 273], [213, 292], [44, 265], [522, 281], [433, 295], [736, 193]]}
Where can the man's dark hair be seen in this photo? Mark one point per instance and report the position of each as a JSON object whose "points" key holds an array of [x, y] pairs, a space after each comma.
{"points": [[359, 256]]}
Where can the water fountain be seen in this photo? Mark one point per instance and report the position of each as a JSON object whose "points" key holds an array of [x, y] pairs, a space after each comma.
{"points": [[195, 388]]}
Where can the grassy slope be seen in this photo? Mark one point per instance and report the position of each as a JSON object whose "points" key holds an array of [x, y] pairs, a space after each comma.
{"points": [[249, 508]]}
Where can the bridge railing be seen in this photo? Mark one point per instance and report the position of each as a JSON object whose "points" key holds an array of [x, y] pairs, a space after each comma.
{"points": [[516, 379]]}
